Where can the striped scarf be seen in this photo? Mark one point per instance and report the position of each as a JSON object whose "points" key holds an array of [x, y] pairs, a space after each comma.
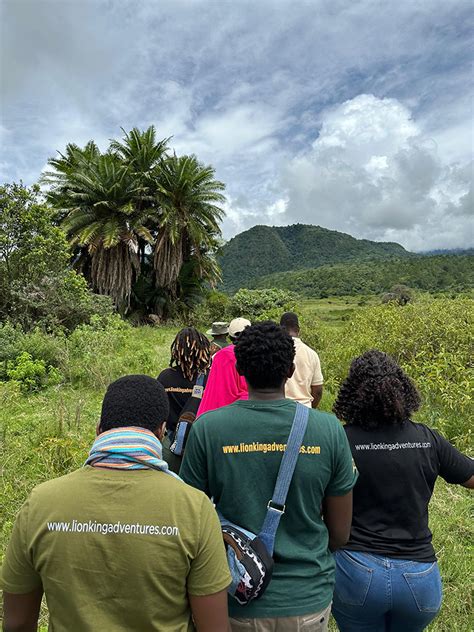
{"points": [[128, 448]]}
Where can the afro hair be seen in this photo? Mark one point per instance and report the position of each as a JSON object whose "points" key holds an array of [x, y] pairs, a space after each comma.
{"points": [[134, 400], [377, 392]]}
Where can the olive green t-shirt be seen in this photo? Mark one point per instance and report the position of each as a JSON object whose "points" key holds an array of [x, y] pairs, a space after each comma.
{"points": [[116, 551], [234, 453]]}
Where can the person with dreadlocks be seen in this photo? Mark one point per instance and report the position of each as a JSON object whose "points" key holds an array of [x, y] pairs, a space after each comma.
{"points": [[387, 577], [190, 358]]}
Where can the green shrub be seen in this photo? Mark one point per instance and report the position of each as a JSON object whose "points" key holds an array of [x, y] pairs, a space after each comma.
{"points": [[56, 302], [267, 304], [31, 374], [40, 345], [214, 308]]}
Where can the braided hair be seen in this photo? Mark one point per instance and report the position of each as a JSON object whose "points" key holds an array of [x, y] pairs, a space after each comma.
{"points": [[377, 392], [191, 352]]}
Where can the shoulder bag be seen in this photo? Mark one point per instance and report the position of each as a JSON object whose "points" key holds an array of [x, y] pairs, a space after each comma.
{"points": [[250, 556]]}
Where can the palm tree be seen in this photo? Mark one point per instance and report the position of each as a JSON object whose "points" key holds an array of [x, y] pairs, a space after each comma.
{"points": [[140, 151], [65, 165], [106, 201], [135, 210], [99, 201], [188, 197]]}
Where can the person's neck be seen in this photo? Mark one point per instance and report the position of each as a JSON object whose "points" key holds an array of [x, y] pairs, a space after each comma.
{"points": [[266, 394], [294, 334]]}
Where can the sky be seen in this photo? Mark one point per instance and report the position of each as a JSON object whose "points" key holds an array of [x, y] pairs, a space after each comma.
{"points": [[355, 115]]}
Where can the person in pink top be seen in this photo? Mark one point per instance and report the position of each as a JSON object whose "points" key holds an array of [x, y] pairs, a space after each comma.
{"points": [[224, 384]]}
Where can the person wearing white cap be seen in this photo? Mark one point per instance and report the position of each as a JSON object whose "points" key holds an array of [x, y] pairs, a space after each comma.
{"points": [[224, 385]]}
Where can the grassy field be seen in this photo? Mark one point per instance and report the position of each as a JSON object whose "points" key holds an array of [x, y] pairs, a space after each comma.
{"points": [[47, 434], [335, 311]]}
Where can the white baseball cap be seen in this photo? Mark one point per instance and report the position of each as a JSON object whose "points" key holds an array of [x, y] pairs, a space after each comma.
{"points": [[237, 326]]}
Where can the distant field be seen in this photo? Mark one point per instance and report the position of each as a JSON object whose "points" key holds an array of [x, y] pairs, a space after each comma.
{"points": [[334, 311]]}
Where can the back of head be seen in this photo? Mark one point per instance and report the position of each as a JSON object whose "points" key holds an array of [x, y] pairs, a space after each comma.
{"points": [[377, 392], [134, 400], [191, 352], [290, 322], [265, 354]]}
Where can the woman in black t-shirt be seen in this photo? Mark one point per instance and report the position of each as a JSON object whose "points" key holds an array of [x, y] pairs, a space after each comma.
{"points": [[190, 357], [387, 577]]}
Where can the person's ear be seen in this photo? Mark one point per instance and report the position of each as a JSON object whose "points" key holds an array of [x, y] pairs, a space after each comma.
{"points": [[98, 429], [291, 370]]}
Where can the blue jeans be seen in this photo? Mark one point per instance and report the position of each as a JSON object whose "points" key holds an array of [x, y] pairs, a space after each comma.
{"points": [[383, 594]]}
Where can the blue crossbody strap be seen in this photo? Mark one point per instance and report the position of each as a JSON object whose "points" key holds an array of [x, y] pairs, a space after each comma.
{"points": [[181, 430], [276, 506]]}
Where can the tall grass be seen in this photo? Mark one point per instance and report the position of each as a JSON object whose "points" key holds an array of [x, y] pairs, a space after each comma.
{"points": [[47, 434]]}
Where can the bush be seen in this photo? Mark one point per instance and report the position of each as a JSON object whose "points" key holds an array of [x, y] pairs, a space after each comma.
{"points": [[267, 304], [36, 287], [40, 345], [32, 375], [214, 308], [60, 302]]}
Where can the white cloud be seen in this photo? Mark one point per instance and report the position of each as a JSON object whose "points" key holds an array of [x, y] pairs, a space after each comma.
{"points": [[372, 173]]}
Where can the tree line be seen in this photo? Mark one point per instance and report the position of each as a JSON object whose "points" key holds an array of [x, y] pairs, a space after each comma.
{"points": [[429, 273]]}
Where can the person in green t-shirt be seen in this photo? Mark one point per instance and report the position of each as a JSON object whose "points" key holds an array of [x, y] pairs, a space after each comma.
{"points": [[121, 544], [233, 455]]}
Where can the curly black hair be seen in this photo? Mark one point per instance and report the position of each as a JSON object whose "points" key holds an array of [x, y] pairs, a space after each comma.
{"points": [[265, 354], [377, 392], [191, 352], [134, 400]]}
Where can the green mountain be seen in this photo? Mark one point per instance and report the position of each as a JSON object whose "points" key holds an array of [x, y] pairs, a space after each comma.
{"points": [[264, 250], [431, 273]]}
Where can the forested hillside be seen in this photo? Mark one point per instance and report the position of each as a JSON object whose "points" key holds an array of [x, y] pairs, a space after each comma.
{"points": [[265, 250], [436, 273]]}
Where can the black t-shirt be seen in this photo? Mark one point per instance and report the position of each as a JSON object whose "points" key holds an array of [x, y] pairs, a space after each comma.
{"points": [[179, 390], [398, 467]]}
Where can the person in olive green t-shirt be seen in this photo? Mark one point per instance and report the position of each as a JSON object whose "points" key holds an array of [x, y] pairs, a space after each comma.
{"points": [[116, 548], [233, 454]]}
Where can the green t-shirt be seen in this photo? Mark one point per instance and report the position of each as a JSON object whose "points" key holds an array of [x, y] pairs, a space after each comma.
{"points": [[116, 551], [233, 454]]}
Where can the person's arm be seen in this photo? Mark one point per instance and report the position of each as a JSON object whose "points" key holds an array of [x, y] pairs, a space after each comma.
{"points": [[316, 381], [210, 612], [454, 466], [20, 581], [337, 502], [21, 612], [337, 515], [316, 393], [193, 469], [209, 575]]}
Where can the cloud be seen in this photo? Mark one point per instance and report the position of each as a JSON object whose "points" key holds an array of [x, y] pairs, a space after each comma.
{"points": [[372, 173], [256, 90]]}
